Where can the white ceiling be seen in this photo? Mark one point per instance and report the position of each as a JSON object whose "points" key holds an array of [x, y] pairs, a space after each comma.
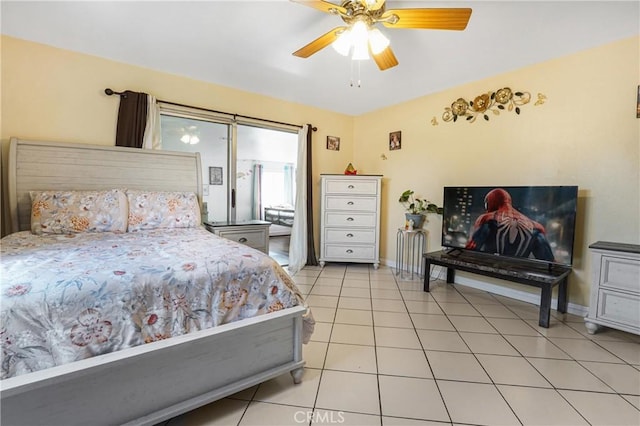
{"points": [[248, 44]]}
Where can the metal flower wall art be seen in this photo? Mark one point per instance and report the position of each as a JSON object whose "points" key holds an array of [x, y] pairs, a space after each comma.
{"points": [[488, 103]]}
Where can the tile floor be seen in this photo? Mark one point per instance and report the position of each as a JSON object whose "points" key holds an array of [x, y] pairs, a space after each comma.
{"points": [[386, 353]]}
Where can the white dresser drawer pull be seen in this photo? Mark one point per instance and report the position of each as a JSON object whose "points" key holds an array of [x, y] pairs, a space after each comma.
{"points": [[350, 235], [350, 219], [350, 186], [242, 240], [349, 251]]}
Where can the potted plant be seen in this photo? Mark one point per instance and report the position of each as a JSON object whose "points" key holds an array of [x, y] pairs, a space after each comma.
{"points": [[417, 208]]}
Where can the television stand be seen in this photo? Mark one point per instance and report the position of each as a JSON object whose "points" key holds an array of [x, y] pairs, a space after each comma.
{"points": [[543, 276]]}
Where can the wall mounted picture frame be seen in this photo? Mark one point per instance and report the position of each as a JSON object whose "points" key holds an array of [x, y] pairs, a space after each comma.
{"points": [[333, 143], [395, 140], [215, 175], [638, 104]]}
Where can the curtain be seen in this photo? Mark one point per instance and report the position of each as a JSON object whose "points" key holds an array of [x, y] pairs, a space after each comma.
{"points": [[132, 119], [301, 246], [288, 184], [256, 188], [152, 138], [311, 250], [298, 240]]}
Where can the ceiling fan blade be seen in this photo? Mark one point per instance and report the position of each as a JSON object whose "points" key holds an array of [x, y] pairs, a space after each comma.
{"points": [[372, 4], [319, 43], [385, 59], [324, 6], [434, 19]]}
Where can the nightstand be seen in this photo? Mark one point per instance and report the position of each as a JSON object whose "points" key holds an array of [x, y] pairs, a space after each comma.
{"points": [[253, 233]]}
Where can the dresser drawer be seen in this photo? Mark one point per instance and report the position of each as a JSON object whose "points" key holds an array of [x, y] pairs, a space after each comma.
{"points": [[621, 274], [255, 239], [619, 307], [351, 186], [350, 219], [350, 236], [349, 252], [341, 202]]}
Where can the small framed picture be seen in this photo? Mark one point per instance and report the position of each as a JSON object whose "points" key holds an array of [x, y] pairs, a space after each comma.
{"points": [[638, 104], [215, 175], [333, 143], [395, 141]]}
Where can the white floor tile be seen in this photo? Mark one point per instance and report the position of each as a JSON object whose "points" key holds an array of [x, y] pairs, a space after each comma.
{"points": [[403, 362], [388, 305], [535, 406], [432, 322], [493, 344], [282, 390], [392, 319], [354, 303], [397, 338], [471, 324], [585, 350], [512, 370], [456, 366], [354, 358], [603, 409], [354, 316], [477, 404], [314, 354], [352, 334], [343, 418], [539, 347], [266, 414], [411, 397], [621, 377], [342, 391], [437, 340], [566, 374]]}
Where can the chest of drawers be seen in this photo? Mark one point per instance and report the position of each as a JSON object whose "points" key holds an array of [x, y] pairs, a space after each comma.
{"points": [[615, 287], [350, 219]]}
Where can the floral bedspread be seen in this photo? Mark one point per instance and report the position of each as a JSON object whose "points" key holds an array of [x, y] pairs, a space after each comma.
{"points": [[71, 297]]}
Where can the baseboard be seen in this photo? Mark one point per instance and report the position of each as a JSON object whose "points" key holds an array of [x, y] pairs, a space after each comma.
{"points": [[439, 272]]}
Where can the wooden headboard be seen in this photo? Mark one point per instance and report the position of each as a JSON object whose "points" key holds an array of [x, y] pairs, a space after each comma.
{"points": [[40, 165]]}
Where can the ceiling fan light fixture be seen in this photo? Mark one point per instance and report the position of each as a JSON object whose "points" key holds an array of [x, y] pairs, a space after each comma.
{"points": [[342, 44], [377, 41], [189, 139], [360, 52], [360, 41]]}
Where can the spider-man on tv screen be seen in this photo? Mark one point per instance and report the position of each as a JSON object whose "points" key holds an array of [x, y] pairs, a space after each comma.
{"points": [[527, 222]]}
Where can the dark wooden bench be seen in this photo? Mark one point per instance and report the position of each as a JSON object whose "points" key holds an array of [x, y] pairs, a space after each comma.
{"points": [[541, 275]]}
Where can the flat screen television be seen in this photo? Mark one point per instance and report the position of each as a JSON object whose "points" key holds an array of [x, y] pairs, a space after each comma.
{"points": [[527, 222]]}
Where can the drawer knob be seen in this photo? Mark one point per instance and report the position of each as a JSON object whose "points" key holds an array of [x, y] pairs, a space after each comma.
{"points": [[349, 251], [350, 186], [350, 203], [350, 235], [242, 240], [350, 219]]}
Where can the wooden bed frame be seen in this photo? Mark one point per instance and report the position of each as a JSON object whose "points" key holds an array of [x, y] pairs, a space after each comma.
{"points": [[153, 382]]}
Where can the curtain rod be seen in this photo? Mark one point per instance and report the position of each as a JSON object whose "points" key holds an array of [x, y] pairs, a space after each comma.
{"points": [[110, 92]]}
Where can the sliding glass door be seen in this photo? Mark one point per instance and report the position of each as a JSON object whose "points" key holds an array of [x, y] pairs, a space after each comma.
{"points": [[265, 174], [211, 140], [248, 172]]}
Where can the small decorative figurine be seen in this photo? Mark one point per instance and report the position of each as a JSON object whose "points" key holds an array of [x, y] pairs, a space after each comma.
{"points": [[350, 170]]}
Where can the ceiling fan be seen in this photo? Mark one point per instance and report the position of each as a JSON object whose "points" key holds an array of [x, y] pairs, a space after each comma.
{"points": [[360, 35]]}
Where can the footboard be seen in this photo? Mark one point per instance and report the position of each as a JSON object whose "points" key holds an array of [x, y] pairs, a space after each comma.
{"points": [[154, 382]]}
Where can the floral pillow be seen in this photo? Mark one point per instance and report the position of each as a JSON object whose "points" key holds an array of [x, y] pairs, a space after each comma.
{"points": [[151, 209], [66, 212]]}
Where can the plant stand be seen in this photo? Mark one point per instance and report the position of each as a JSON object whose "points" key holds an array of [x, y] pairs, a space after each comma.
{"points": [[413, 244]]}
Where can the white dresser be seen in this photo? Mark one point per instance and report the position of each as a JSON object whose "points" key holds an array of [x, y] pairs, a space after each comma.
{"points": [[615, 287], [350, 218]]}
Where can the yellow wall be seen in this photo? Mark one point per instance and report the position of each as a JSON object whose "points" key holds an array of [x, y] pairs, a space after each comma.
{"points": [[585, 134], [58, 95]]}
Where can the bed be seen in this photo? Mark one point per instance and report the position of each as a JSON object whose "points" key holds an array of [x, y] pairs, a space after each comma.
{"points": [[184, 350]]}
